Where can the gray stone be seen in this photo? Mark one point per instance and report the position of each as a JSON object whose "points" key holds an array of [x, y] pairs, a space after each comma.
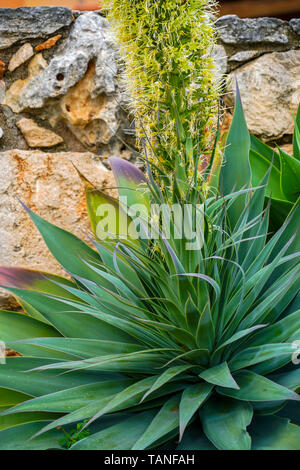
{"points": [[220, 57], [243, 56], [1, 132], [234, 30], [295, 25], [28, 23], [90, 38], [270, 91]]}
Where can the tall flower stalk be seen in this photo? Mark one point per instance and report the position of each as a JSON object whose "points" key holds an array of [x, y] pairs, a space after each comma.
{"points": [[169, 76]]}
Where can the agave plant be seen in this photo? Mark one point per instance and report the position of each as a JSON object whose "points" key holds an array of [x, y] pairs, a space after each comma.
{"points": [[151, 344], [284, 183], [169, 77], [178, 341]]}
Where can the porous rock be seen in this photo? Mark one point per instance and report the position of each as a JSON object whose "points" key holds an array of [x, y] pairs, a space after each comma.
{"points": [[49, 184], [19, 24], [270, 91], [37, 136]]}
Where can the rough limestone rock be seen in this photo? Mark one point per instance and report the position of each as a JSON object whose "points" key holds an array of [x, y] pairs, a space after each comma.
{"points": [[27, 23], [270, 90], [37, 136], [49, 185], [235, 30], [295, 25], [243, 56], [19, 87], [89, 39], [22, 55], [92, 119], [78, 87]]}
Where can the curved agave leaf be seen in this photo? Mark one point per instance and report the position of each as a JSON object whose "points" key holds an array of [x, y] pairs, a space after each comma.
{"points": [[192, 398], [225, 423], [236, 172], [254, 387], [219, 375], [108, 220], [166, 420], [289, 176], [120, 436], [296, 137], [22, 278], [132, 185], [18, 438], [274, 433], [195, 439]]}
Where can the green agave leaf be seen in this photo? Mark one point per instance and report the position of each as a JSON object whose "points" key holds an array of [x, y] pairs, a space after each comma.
{"points": [[260, 165], [166, 420], [279, 332], [127, 273], [296, 137], [274, 433], [79, 414], [256, 354], [108, 220], [120, 436], [290, 176], [127, 398], [236, 172], [82, 348], [11, 397], [205, 334], [17, 326], [66, 401], [267, 153], [225, 423], [34, 280], [192, 398], [289, 379], [165, 377], [219, 375], [195, 439], [254, 387], [132, 184], [272, 301], [142, 361], [18, 438], [30, 279], [288, 231], [13, 376], [69, 320], [94, 408], [7, 422], [239, 335]]}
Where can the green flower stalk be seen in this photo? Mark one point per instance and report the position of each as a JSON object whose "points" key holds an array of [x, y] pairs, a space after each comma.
{"points": [[169, 76]]}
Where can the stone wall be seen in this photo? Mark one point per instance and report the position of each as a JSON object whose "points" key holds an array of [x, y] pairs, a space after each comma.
{"points": [[61, 104]]}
